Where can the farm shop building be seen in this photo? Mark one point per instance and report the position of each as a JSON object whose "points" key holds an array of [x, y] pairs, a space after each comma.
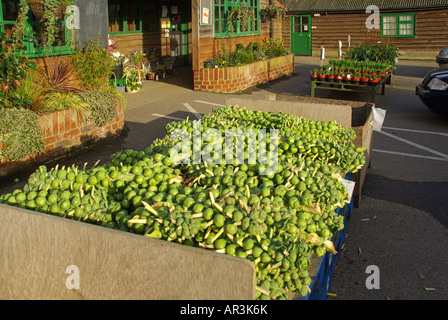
{"points": [[191, 31], [417, 27]]}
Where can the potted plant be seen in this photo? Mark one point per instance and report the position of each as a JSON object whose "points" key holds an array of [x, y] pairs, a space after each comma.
{"points": [[243, 15], [273, 11], [374, 79], [339, 77], [364, 79], [322, 74], [137, 58], [133, 78], [330, 76], [347, 78], [119, 60], [356, 78], [53, 7], [133, 83], [314, 74]]}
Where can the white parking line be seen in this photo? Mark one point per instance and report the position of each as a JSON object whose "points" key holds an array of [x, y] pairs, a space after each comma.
{"points": [[419, 146], [417, 131], [210, 103], [192, 110], [409, 155], [168, 117]]}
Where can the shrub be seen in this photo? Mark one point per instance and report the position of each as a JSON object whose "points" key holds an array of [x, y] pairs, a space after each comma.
{"points": [[95, 64], [239, 46], [373, 52], [103, 106], [274, 48], [59, 76], [254, 51], [21, 134], [244, 57], [13, 69]]}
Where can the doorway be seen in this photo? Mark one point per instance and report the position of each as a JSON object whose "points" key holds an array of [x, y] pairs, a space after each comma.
{"points": [[301, 41]]}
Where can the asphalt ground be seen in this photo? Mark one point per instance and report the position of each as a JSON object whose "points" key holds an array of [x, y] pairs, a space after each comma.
{"points": [[400, 226]]}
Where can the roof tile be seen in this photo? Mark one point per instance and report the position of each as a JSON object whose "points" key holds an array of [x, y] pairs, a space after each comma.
{"points": [[359, 5]]}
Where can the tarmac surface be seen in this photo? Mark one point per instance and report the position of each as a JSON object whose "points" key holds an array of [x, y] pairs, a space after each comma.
{"points": [[401, 223]]}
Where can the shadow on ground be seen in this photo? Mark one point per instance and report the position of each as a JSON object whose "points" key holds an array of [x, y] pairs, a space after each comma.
{"points": [[412, 194]]}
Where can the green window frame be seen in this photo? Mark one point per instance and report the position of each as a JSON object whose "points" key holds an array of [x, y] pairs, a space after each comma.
{"points": [[132, 17], [8, 15], [398, 25], [221, 11], [9, 10]]}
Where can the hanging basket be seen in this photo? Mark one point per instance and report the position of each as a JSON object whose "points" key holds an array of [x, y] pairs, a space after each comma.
{"points": [[271, 13], [38, 10]]}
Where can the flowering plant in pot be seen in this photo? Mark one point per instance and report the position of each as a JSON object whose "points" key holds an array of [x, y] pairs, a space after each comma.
{"points": [[322, 74], [330, 76], [339, 77], [56, 8], [243, 15], [356, 78], [364, 79], [347, 78], [313, 74], [374, 79], [133, 83], [273, 11]]}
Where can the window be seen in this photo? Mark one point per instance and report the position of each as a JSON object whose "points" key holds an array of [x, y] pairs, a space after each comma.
{"points": [[300, 24], [398, 25], [9, 11], [138, 16], [33, 34], [224, 7]]}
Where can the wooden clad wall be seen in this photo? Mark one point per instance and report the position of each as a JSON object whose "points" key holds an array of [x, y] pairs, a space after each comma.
{"points": [[137, 41], [431, 33]]}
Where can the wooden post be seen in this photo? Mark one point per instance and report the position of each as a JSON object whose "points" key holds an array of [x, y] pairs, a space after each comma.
{"points": [[322, 56], [195, 38], [340, 49]]}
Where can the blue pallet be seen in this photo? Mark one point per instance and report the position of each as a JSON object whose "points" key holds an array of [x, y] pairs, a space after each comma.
{"points": [[323, 267]]}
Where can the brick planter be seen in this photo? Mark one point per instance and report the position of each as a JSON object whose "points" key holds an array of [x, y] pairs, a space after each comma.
{"points": [[63, 131], [234, 79]]}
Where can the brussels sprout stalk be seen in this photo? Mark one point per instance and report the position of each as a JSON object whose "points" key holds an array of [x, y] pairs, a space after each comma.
{"points": [[218, 234], [264, 291]]}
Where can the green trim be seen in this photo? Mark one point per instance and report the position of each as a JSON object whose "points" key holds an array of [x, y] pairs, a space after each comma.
{"points": [[229, 5], [398, 23]]}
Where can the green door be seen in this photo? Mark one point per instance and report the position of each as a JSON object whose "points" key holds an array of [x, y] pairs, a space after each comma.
{"points": [[301, 34]]}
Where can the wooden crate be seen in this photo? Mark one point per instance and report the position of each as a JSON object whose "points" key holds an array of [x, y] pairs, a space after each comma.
{"points": [[39, 251]]}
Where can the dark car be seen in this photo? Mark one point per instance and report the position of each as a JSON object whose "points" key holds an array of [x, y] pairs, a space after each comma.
{"points": [[442, 58], [433, 91]]}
